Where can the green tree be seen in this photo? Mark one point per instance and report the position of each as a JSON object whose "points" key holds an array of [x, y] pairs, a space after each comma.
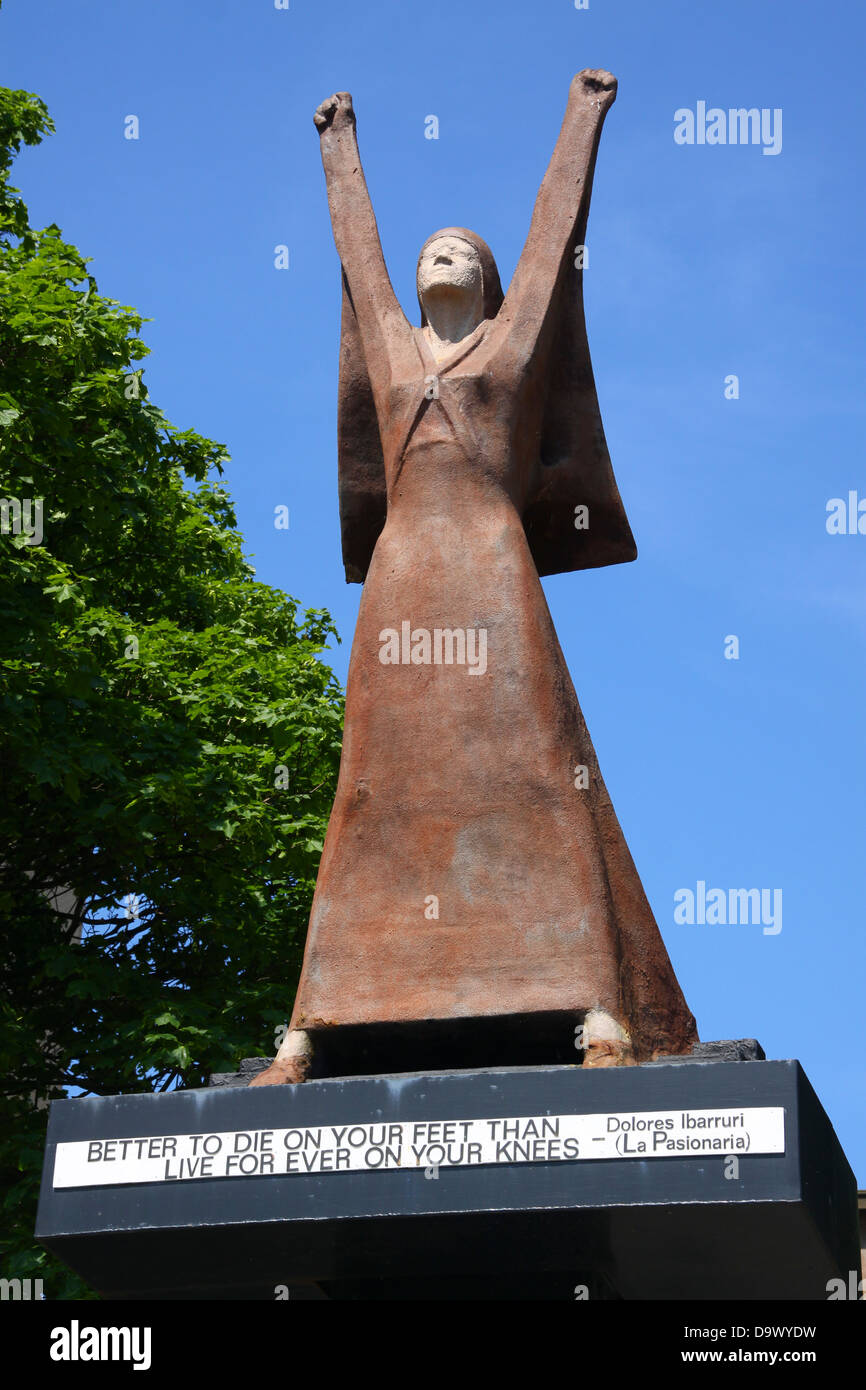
{"points": [[170, 737]]}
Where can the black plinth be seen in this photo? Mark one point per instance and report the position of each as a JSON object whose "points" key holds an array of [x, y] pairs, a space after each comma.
{"points": [[670, 1227]]}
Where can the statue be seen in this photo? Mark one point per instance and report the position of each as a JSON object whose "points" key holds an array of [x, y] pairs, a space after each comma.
{"points": [[475, 891]]}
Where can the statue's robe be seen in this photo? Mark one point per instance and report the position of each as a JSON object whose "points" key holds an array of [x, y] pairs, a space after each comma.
{"points": [[468, 876]]}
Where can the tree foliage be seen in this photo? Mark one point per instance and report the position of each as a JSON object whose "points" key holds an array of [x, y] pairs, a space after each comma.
{"points": [[170, 737]]}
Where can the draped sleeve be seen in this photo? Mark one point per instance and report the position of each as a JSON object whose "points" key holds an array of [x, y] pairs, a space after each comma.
{"points": [[541, 332]]}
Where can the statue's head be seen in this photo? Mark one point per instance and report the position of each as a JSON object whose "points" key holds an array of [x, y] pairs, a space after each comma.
{"points": [[456, 262]]}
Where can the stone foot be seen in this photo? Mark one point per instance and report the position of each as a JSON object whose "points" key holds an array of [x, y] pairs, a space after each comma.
{"points": [[606, 1043], [292, 1063]]}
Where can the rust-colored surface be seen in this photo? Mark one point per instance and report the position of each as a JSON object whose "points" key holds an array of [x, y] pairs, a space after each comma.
{"points": [[465, 874]]}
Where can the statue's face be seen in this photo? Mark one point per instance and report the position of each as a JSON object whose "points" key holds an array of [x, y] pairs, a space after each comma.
{"points": [[449, 261]]}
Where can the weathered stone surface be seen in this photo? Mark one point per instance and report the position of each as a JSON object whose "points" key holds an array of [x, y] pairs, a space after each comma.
{"points": [[248, 1068], [474, 869], [729, 1050]]}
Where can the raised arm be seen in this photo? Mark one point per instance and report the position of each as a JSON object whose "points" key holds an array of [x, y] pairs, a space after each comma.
{"points": [[559, 219], [356, 235]]}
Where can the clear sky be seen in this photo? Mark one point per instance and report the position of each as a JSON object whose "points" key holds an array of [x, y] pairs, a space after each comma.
{"points": [[705, 261]]}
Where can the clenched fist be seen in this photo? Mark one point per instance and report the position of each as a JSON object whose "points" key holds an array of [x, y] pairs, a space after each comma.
{"points": [[335, 113], [594, 85]]}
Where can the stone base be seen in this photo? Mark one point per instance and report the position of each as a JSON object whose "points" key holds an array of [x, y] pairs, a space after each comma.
{"points": [[739, 1050], [776, 1225]]}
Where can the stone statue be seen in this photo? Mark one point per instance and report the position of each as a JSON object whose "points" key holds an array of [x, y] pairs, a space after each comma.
{"points": [[476, 898]]}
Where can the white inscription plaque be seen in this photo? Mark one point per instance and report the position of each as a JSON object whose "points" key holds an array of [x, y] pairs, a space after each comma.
{"points": [[421, 1144]]}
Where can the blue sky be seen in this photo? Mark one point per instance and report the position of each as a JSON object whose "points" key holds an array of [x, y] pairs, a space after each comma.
{"points": [[704, 261]]}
